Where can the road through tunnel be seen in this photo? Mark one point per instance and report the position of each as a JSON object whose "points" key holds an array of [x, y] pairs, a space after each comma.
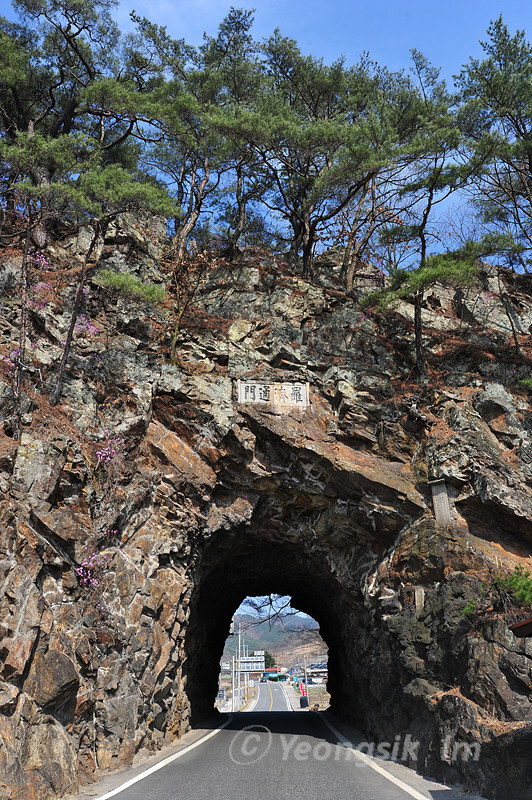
{"points": [[313, 524], [246, 564]]}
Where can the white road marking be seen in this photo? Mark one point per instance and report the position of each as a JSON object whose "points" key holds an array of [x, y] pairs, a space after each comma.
{"points": [[165, 762], [288, 703], [373, 764]]}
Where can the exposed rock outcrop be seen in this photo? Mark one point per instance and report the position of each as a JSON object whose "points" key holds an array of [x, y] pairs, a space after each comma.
{"points": [[138, 513]]}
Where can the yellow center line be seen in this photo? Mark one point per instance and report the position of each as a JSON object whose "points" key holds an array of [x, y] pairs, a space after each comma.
{"points": [[271, 695]]}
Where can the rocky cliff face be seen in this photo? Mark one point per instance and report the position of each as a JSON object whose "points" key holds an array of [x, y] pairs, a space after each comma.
{"points": [[138, 513]]}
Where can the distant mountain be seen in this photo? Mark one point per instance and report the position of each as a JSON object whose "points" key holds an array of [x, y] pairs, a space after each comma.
{"points": [[298, 648], [276, 635]]}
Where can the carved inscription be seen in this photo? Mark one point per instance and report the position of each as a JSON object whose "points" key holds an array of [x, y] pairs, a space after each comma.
{"points": [[275, 394]]}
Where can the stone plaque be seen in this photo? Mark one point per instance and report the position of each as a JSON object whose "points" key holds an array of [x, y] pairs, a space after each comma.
{"points": [[440, 500], [274, 394]]}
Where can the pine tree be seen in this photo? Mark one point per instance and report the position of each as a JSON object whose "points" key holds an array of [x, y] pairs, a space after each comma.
{"points": [[431, 175], [496, 114], [269, 660], [320, 134]]}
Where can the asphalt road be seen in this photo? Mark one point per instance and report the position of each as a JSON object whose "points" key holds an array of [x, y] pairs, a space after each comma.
{"points": [[271, 753], [271, 698]]}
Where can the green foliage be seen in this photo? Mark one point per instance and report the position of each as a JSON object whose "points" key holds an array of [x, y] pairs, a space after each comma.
{"points": [[459, 267], [442, 268], [46, 62], [114, 189], [77, 182], [94, 123], [131, 286], [470, 608], [496, 115], [269, 660], [318, 134], [519, 585], [527, 383]]}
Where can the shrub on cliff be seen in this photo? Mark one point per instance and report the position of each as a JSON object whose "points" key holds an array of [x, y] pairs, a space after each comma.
{"points": [[519, 585], [131, 286]]}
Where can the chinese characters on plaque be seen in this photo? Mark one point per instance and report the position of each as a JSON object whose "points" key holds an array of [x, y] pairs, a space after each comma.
{"points": [[274, 394]]}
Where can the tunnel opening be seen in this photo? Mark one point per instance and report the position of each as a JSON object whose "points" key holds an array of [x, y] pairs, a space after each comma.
{"points": [[245, 563], [271, 640]]}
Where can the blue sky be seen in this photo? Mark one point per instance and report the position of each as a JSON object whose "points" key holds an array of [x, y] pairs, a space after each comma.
{"points": [[447, 32], [280, 604]]}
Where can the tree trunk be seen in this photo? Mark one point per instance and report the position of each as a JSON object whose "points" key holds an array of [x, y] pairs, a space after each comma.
{"points": [[418, 297], [232, 245], [354, 246], [352, 264], [10, 211], [181, 236], [308, 245], [509, 309], [40, 232], [295, 244], [195, 203]]}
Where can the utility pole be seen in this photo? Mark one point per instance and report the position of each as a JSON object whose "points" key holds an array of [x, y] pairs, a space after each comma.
{"points": [[233, 684], [239, 663], [246, 676], [306, 682]]}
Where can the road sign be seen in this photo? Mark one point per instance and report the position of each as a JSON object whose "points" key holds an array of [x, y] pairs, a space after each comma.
{"points": [[252, 664]]}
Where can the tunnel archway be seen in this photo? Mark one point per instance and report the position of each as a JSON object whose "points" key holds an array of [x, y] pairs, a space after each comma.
{"points": [[269, 633], [246, 562]]}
